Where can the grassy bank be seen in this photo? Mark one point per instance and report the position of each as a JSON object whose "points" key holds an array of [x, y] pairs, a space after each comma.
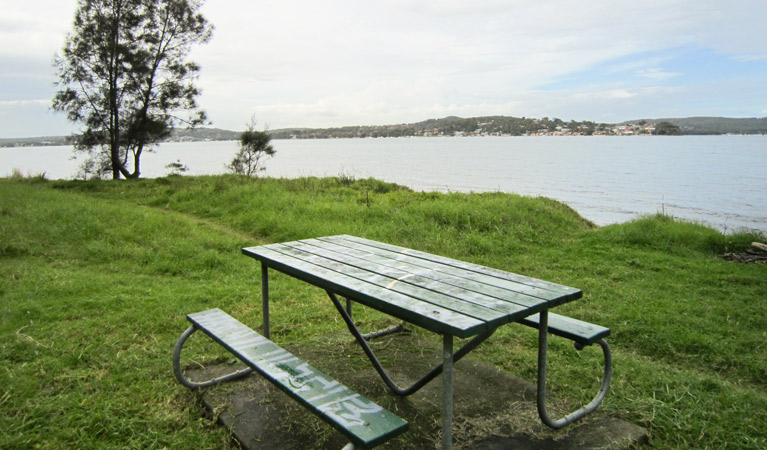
{"points": [[96, 277]]}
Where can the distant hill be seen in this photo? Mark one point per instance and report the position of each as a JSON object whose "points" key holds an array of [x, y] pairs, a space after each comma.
{"points": [[202, 134], [34, 141], [447, 126], [178, 135], [716, 125], [520, 126], [452, 126]]}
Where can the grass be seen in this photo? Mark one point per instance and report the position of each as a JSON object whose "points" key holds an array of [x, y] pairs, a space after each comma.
{"points": [[96, 277]]}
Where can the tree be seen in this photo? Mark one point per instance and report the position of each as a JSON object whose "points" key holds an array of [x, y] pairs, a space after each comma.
{"points": [[254, 149], [667, 129], [123, 75]]}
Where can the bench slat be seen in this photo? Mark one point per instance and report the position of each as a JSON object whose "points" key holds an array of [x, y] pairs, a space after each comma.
{"points": [[364, 422], [576, 330]]}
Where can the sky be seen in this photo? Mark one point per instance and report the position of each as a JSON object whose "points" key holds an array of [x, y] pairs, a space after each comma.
{"points": [[309, 63]]}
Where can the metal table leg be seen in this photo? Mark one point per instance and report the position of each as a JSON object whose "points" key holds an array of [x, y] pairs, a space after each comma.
{"points": [[265, 299], [447, 391], [542, 354], [463, 351]]}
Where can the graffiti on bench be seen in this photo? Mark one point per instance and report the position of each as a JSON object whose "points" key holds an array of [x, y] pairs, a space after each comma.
{"points": [[327, 395]]}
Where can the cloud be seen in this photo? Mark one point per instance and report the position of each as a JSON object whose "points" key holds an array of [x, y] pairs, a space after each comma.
{"points": [[346, 62], [657, 74], [14, 103], [35, 28]]}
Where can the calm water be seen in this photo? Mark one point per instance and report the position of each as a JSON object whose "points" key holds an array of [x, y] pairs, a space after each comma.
{"points": [[719, 180]]}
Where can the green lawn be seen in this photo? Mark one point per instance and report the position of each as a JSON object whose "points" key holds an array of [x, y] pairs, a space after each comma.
{"points": [[96, 278]]}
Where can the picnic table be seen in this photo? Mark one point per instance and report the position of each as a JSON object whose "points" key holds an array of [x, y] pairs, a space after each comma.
{"points": [[452, 298]]}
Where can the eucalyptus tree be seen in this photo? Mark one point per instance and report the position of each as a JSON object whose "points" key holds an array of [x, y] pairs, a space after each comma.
{"points": [[124, 75]]}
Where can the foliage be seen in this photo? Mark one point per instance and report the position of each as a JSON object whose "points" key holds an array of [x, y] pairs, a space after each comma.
{"points": [[202, 134], [667, 129], [123, 75], [177, 168], [721, 125], [18, 174], [98, 166], [253, 151], [93, 296]]}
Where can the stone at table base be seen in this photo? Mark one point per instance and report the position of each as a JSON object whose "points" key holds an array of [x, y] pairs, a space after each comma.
{"points": [[493, 410]]}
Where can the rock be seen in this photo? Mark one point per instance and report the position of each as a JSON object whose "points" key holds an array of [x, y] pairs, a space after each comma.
{"points": [[758, 247]]}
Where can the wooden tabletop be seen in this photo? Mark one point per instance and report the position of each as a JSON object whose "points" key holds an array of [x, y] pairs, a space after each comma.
{"points": [[440, 294]]}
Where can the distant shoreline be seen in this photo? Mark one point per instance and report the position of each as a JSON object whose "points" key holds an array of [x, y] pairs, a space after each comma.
{"points": [[9, 143], [457, 126]]}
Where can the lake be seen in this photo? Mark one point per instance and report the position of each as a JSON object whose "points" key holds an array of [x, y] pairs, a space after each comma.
{"points": [[717, 180]]}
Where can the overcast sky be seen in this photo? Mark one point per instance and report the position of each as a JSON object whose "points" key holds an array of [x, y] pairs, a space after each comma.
{"points": [[301, 63]]}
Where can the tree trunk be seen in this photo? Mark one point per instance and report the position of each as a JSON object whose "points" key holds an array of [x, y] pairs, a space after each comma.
{"points": [[116, 166], [114, 116], [136, 163]]}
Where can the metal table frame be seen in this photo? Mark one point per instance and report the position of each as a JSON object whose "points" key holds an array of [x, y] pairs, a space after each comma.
{"points": [[449, 358]]}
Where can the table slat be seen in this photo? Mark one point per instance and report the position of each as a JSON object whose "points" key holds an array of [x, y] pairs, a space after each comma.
{"points": [[420, 279], [569, 292], [521, 294], [396, 281], [440, 294], [431, 317]]}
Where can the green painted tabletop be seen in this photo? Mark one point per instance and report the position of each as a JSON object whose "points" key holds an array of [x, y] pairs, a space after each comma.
{"points": [[440, 294]]}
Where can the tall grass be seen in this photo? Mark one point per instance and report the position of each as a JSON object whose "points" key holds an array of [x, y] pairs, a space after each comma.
{"points": [[96, 277]]}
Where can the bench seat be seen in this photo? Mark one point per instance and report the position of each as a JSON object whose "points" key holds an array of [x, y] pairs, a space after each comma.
{"points": [[362, 421], [581, 332]]}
